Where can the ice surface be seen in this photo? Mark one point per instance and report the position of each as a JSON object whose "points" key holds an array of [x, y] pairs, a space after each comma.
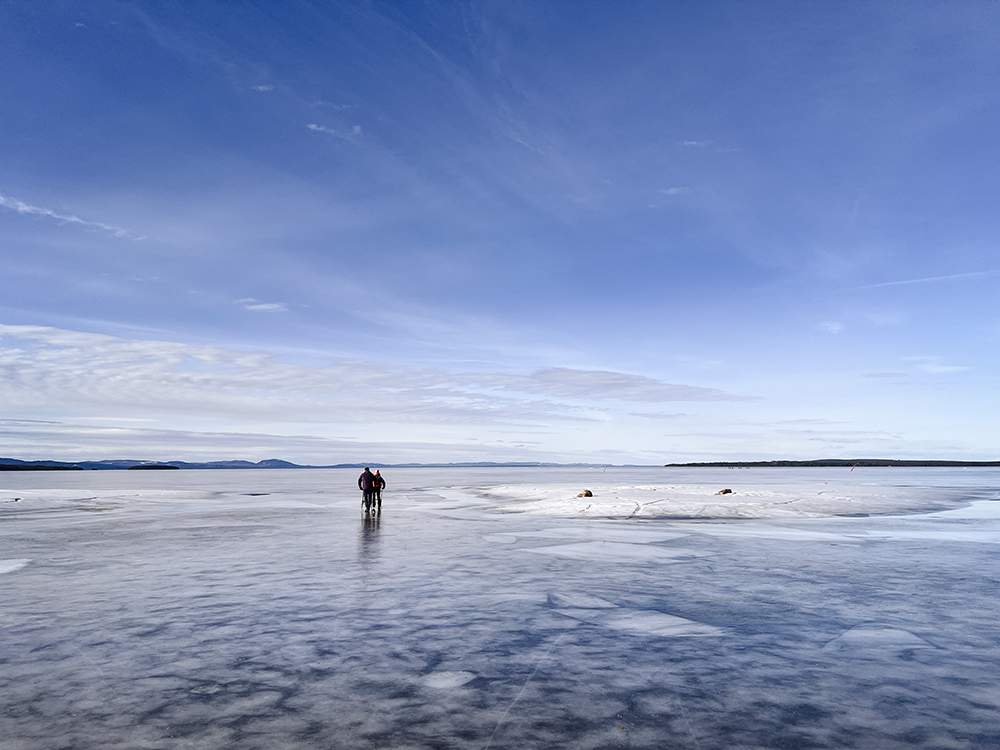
{"points": [[260, 609], [616, 551]]}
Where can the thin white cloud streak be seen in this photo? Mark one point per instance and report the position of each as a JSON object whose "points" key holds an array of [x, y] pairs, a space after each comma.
{"points": [[25, 208], [355, 131], [643, 415], [256, 305], [522, 142], [53, 371], [930, 279], [933, 365]]}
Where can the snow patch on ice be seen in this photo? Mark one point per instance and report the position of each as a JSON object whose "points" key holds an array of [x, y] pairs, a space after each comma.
{"points": [[876, 638], [642, 622], [445, 680], [9, 566], [690, 501]]}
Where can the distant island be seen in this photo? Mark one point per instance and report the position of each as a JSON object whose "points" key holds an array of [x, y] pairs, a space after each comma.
{"points": [[833, 462]]}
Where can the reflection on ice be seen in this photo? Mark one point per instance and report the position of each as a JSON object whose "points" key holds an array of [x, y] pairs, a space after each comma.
{"points": [[256, 609], [371, 525]]}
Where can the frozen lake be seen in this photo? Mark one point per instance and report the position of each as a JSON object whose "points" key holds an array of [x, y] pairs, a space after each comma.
{"points": [[260, 609]]}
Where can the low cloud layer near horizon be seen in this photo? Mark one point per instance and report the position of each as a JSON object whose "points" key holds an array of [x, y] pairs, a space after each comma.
{"points": [[483, 231], [106, 395], [46, 368]]}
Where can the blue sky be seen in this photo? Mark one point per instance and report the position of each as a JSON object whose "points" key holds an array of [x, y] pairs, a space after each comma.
{"points": [[605, 232]]}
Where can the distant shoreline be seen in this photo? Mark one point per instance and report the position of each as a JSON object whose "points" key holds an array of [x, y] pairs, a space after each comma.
{"points": [[832, 462], [14, 464]]}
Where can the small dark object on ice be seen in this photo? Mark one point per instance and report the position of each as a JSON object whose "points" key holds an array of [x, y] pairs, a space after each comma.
{"points": [[724, 492], [586, 493]]}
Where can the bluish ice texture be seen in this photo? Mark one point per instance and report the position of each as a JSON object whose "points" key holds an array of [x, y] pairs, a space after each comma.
{"points": [[261, 609]]}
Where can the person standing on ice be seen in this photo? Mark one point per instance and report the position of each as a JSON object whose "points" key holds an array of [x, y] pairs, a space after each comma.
{"points": [[366, 483], [378, 484]]}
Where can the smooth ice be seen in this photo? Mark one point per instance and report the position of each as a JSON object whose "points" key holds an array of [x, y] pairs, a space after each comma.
{"points": [[261, 609]]}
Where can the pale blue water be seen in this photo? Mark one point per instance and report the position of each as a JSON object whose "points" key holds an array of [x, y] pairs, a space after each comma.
{"points": [[225, 618]]}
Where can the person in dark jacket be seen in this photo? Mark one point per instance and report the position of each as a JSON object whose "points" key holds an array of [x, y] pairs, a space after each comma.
{"points": [[378, 484], [366, 483]]}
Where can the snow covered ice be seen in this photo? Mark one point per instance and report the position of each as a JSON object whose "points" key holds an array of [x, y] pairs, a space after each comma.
{"points": [[488, 608]]}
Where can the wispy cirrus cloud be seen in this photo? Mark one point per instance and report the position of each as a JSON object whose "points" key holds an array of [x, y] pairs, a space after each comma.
{"points": [[27, 209], [562, 382], [934, 365], [353, 133], [932, 279]]}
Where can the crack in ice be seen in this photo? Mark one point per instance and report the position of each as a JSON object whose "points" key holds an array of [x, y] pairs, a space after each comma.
{"points": [[521, 691]]}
